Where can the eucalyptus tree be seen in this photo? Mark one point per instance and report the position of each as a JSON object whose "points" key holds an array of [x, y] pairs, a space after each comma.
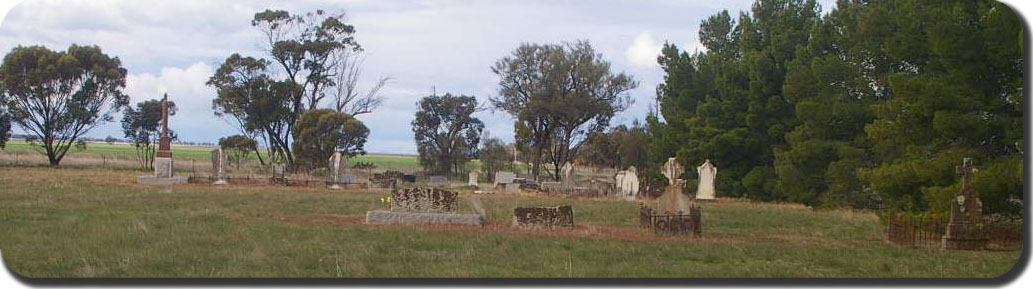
{"points": [[59, 96], [558, 95]]}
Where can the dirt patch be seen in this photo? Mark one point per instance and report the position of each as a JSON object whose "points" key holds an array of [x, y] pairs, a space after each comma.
{"points": [[579, 231]]}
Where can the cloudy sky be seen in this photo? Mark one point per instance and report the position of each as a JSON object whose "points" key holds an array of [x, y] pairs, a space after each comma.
{"points": [[173, 47]]}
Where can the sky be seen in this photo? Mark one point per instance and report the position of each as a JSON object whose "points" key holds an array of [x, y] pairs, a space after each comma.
{"points": [[445, 46]]}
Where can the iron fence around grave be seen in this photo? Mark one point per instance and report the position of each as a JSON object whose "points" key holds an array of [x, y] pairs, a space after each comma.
{"points": [[668, 223], [927, 233]]}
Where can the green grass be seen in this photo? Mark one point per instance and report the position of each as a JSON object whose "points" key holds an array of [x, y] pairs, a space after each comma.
{"points": [[202, 153], [99, 223]]}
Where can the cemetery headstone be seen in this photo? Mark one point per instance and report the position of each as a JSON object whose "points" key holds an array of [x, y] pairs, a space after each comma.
{"points": [[338, 167], [707, 173], [423, 206], [544, 217], [218, 167], [627, 183], [673, 201], [279, 173], [163, 165], [472, 180], [965, 229], [567, 173]]}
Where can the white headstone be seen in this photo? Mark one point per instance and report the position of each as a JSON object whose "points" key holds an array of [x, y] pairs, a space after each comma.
{"points": [[219, 166], [707, 173], [567, 172], [473, 178], [672, 170], [627, 182]]}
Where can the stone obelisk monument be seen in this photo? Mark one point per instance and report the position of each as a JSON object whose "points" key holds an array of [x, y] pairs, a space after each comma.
{"points": [[163, 169], [163, 158]]}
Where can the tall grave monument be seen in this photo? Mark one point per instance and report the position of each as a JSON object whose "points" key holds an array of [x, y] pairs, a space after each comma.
{"points": [[965, 229], [163, 166], [673, 201]]}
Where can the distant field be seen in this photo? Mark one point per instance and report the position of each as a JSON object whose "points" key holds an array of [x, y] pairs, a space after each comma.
{"points": [[202, 153], [73, 222]]}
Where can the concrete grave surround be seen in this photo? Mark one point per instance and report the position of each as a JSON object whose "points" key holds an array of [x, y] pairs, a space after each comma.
{"points": [[504, 177], [438, 181], [423, 206], [707, 173], [627, 183], [544, 217]]}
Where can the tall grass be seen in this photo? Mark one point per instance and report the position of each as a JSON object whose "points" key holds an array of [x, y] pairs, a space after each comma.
{"points": [[100, 223]]}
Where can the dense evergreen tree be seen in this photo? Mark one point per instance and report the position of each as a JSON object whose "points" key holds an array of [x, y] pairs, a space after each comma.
{"points": [[873, 104]]}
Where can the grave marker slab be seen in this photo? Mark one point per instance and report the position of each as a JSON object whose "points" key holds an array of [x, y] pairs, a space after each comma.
{"points": [[544, 217]]}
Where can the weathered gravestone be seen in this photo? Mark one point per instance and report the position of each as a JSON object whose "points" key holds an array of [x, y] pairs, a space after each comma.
{"points": [[567, 173], [965, 229], [279, 173], [627, 183], [505, 181], [673, 201], [544, 217], [338, 166], [386, 179], [438, 181], [218, 167], [423, 206], [472, 180], [163, 165], [707, 173]]}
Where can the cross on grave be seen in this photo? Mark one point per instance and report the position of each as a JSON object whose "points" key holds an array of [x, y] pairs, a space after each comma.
{"points": [[965, 228]]}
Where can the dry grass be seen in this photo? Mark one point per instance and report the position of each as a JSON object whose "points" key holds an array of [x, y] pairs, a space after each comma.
{"points": [[99, 223]]}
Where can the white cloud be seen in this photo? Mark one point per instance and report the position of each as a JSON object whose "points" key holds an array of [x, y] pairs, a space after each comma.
{"points": [[186, 87], [449, 44], [643, 50]]}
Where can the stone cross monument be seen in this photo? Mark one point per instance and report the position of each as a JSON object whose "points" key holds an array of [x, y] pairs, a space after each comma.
{"points": [[673, 201], [965, 229], [163, 158]]}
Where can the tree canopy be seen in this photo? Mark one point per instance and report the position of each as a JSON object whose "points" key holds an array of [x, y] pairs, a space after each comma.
{"points": [[58, 96], [446, 132], [558, 95], [871, 105], [142, 126], [322, 132], [310, 56]]}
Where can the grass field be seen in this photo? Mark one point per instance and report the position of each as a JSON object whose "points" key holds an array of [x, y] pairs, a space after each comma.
{"points": [[197, 153], [99, 223]]}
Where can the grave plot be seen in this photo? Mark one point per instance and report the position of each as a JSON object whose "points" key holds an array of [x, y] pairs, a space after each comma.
{"points": [[423, 206], [675, 213], [559, 217]]}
